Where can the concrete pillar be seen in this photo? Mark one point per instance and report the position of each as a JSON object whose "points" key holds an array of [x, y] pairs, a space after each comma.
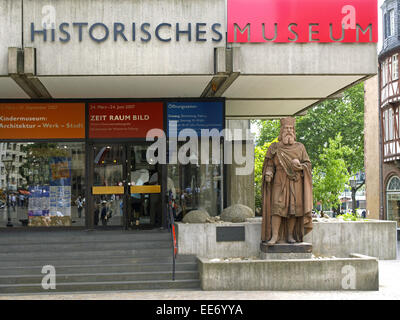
{"points": [[240, 188], [372, 152]]}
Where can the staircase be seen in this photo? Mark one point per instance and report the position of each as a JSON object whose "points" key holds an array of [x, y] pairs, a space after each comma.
{"points": [[93, 261]]}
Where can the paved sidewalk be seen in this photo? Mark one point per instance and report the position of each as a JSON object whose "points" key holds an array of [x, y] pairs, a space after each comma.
{"points": [[389, 289]]}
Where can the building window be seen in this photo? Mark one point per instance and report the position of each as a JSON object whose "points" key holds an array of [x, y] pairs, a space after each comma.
{"points": [[44, 172], [389, 23], [393, 199], [395, 67], [198, 186], [391, 132], [390, 125], [384, 73]]}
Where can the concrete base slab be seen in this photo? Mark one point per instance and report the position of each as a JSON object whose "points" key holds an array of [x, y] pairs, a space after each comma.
{"points": [[283, 251], [284, 256], [357, 272], [299, 247]]}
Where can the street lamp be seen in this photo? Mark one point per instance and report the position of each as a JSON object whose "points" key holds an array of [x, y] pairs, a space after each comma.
{"points": [[8, 162], [353, 184]]}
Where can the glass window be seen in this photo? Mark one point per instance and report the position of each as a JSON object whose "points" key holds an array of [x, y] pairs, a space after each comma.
{"points": [[384, 73], [395, 67], [391, 23], [385, 31], [108, 168], [42, 185], [198, 186], [390, 125], [394, 184], [393, 199], [386, 125]]}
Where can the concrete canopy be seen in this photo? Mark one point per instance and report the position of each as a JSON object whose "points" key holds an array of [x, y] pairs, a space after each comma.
{"points": [[10, 90], [258, 80], [275, 80], [256, 96], [125, 86]]}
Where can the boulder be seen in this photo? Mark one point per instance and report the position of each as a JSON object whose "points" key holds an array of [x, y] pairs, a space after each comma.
{"points": [[196, 216], [237, 213]]}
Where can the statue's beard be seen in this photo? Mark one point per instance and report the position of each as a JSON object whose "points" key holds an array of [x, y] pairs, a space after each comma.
{"points": [[288, 138]]}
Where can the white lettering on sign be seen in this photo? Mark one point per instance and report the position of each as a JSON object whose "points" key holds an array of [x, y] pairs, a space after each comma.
{"points": [[144, 117], [120, 117], [123, 117], [98, 118]]}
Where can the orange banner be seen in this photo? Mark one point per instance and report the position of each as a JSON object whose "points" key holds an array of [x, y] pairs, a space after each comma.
{"points": [[42, 120]]}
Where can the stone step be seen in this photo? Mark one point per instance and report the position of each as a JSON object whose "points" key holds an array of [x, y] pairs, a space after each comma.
{"points": [[84, 246], [81, 260], [44, 255], [35, 237], [107, 268], [100, 277], [104, 286], [93, 261]]}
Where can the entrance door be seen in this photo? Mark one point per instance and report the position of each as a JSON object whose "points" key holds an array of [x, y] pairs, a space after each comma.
{"points": [[126, 188]]}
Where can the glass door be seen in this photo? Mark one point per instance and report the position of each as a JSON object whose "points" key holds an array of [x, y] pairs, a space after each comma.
{"points": [[144, 207], [126, 187], [109, 185]]}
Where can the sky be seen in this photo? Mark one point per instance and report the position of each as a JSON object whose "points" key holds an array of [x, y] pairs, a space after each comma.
{"points": [[380, 2]]}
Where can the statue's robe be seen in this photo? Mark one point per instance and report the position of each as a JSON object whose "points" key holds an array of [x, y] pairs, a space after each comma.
{"points": [[289, 194]]}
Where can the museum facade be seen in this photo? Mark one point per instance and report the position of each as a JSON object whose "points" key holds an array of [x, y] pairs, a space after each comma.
{"points": [[89, 87]]}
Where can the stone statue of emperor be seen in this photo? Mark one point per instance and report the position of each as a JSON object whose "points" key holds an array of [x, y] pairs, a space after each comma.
{"points": [[286, 189]]}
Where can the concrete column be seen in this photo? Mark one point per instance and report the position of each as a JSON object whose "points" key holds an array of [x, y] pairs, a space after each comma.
{"points": [[240, 188], [372, 150]]}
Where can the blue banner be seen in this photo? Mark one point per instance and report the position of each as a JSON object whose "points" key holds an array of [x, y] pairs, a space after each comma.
{"points": [[195, 116]]}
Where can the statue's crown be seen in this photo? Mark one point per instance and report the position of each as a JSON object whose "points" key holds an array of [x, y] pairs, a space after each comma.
{"points": [[288, 121]]}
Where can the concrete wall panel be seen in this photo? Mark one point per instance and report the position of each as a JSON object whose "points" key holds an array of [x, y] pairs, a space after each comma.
{"points": [[340, 239], [10, 30], [124, 57], [307, 58]]}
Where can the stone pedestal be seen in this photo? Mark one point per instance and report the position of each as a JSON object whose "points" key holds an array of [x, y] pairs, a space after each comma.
{"points": [[283, 251]]}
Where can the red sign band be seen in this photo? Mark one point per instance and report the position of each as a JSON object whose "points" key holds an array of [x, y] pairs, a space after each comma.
{"points": [[303, 21], [124, 120]]}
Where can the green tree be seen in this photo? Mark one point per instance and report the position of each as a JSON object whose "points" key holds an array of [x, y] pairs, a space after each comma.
{"points": [[269, 130], [259, 156], [324, 122], [331, 174]]}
